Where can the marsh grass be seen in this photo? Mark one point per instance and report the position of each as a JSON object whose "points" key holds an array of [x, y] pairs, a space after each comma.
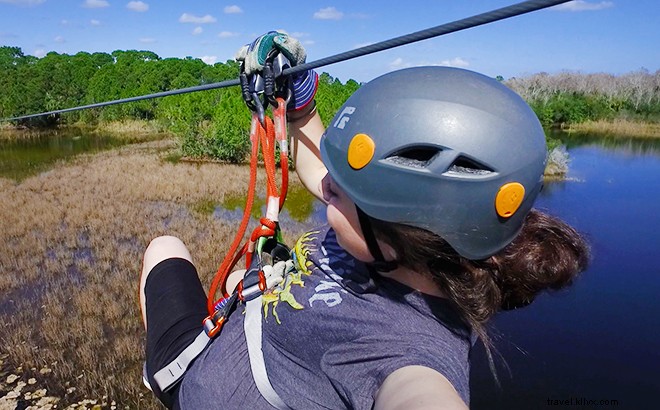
{"points": [[16, 134], [130, 127], [73, 239], [620, 128]]}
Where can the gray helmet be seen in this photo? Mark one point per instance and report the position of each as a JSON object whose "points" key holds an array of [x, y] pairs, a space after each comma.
{"points": [[439, 148]]}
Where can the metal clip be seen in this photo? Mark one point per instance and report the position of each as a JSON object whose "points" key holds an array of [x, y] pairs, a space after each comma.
{"points": [[259, 109], [277, 84], [213, 323], [251, 87], [253, 280]]}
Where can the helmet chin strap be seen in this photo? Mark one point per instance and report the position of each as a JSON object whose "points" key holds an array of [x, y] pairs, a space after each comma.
{"points": [[379, 263]]}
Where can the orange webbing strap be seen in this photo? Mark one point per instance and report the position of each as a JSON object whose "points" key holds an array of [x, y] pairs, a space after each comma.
{"points": [[268, 225]]}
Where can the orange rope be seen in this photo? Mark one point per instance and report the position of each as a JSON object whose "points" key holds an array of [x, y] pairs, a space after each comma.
{"points": [[231, 257], [279, 115], [268, 143], [267, 137]]}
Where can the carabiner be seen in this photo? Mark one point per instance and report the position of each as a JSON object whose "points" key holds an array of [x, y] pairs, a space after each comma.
{"points": [[259, 109], [275, 81]]}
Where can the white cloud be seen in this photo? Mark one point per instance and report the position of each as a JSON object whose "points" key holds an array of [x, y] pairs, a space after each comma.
{"points": [[147, 40], [398, 64], [64, 22], [95, 4], [328, 13], [234, 9], [454, 62], [94, 22], [191, 18], [198, 30], [23, 2], [227, 34], [582, 5], [59, 39], [40, 52], [458, 62], [138, 6], [210, 60]]}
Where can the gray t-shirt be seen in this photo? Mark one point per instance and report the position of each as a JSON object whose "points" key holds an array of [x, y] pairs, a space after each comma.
{"points": [[332, 333]]}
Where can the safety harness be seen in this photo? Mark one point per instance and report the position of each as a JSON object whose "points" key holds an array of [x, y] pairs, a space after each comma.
{"points": [[265, 246]]}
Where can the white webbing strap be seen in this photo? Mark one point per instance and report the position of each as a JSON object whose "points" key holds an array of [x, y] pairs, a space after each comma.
{"points": [[167, 377], [252, 326]]}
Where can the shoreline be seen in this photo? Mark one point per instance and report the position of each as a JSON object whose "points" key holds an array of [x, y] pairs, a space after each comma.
{"points": [[131, 132], [618, 128], [120, 129]]}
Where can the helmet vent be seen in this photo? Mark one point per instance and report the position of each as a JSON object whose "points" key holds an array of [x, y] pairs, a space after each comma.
{"points": [[414, 157], [464, 165]]}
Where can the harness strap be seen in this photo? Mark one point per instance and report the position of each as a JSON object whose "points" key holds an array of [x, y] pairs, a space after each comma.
{"points": [[168, 376], [252, 326]]}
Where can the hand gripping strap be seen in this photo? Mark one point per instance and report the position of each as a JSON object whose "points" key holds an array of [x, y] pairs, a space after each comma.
{"points": [[252, 325], [168, 376]]}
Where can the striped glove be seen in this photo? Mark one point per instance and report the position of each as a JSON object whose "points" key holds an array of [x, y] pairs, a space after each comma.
{"points": [[303, 85]]}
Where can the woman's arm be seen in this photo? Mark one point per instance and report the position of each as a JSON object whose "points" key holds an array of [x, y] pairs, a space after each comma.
{"points": [[306, 130], [417, 388]]}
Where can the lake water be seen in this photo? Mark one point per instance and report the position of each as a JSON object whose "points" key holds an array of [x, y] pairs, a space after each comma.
{"points": [[597, 340], [23, 156]]}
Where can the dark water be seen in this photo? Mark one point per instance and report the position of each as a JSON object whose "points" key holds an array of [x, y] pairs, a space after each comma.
{"points": [[599, 339], [28, 155]]}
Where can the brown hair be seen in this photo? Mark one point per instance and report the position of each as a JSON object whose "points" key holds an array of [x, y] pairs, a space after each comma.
{"points": [[546, 254]]}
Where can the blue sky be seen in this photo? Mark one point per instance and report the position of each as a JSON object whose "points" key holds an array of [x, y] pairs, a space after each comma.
{"points": [[588, 36]]}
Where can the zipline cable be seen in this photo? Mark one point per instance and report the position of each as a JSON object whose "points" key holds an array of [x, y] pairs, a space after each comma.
{"points": [[448, 28], [458, 25]]}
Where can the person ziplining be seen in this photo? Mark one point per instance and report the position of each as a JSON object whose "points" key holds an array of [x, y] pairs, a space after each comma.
{"points": [[429, 175]]}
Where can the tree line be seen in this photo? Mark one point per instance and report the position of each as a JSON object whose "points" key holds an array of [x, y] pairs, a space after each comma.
{"points": [[211, 123], [570, 98], [215, 122]]}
